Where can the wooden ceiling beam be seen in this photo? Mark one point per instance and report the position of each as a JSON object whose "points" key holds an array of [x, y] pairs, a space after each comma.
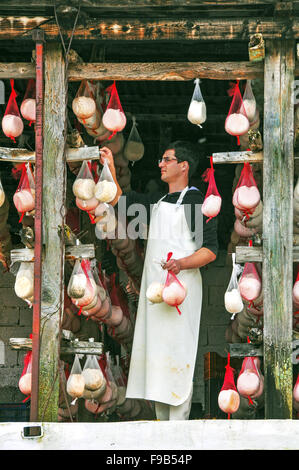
{"points": [[167, 71], [126, 29], [119, 5], [160, 71]]}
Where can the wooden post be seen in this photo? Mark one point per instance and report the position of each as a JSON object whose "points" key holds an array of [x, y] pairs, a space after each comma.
{"points": [[53, 217], [278, 227]]}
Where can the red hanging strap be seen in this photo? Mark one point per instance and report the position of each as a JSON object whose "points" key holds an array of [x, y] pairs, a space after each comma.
{"points": [[13, 91], [91, 217], [169, 255], [233, 88], [21, 218]]}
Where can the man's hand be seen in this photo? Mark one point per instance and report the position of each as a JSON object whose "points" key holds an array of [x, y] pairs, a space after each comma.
{"points": [[173, 265], [106, 154]]}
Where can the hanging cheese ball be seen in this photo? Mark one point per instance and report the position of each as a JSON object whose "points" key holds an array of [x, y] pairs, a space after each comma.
{"points": [[154, 292], [228, 401], [83, 188], [197, 112], [94, 378], [84, 107], [75, 385], [233, 301], [28, 109], [105, 191], [25, 383], [12, 125], [236, 124], [114, 120]]}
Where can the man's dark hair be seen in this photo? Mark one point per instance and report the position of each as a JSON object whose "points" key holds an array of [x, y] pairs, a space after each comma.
{"points": [[186, 152]]}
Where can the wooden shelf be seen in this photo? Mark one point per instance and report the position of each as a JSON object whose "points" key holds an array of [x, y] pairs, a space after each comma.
{"points": [[67, 347], [254, 254], [247, 254], [245, 349], [17, 155], [237, 157], [72, 252], [249, 349]]}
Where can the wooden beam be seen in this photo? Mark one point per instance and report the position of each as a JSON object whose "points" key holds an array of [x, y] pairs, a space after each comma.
{"points": [[17, 70], [238, 157], [67, 347], [245, 349], [119, 5], [53, 217], [249, 254], [254, 254], [72, 252], [140, 29], [79, 251], [144, 71], [278, 227], [18, 155], [167, 71]]}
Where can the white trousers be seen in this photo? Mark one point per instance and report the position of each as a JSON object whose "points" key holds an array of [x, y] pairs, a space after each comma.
{"points": [[165, 412]]}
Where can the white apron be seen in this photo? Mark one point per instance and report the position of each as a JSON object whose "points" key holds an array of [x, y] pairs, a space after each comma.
{"points": [[165, 343]]}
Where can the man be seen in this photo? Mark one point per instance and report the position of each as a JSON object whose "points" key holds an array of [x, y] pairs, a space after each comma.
{"points": [[165, 342]]}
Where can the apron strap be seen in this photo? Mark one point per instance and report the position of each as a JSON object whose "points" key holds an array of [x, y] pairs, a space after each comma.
{"points": [[180, 199]]}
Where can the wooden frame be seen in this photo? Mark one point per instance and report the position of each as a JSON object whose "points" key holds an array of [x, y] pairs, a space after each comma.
{"points": [[133, 29], [277, 252], [171, 71]]}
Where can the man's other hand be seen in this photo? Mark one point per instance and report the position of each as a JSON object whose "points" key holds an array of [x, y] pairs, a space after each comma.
{"points": [[173, 265]]}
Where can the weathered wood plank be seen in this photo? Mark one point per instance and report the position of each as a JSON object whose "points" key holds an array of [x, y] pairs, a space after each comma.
{"points": [[72, 154], [82, 153], [71, 253], [132, 29], [67, 347], [254, 254], [246, 254], [17, 70], [237, 157], [82, 347], [22, 254], [168, 71], [144, 71], [137, 5], [79, 251], [245, 349], [278, 227], [17, 155], [53, 217]]}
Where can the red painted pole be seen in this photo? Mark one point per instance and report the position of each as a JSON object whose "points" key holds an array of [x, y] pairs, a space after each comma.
{"points": [[38, 37]]}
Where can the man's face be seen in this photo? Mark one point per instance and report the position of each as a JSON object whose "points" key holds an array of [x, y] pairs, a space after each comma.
{"points": [[170, 167]]}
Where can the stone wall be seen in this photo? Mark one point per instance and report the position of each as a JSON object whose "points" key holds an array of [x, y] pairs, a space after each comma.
{"points": [[214, 318], [15, 322]]}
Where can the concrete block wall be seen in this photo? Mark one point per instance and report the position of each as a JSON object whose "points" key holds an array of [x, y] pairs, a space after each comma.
{"points": [[15, 322], [214, 318]]}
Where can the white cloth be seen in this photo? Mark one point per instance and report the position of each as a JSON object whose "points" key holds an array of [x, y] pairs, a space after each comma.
{"points": [[165, 343], [166, 412]]}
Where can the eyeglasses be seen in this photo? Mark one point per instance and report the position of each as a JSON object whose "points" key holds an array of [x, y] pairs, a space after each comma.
{"points": [[167, 160]]}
